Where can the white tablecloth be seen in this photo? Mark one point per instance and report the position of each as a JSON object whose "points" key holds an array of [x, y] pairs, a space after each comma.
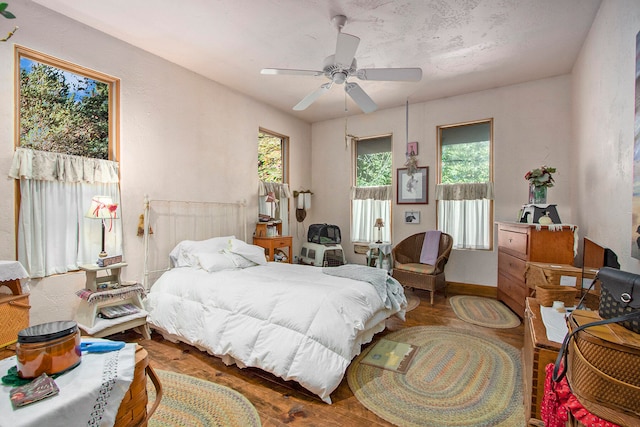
{"points": [[11, 270], [90, 394]]}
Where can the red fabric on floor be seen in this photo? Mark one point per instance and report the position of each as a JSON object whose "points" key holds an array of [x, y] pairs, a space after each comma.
{"points": [[558, 401]]}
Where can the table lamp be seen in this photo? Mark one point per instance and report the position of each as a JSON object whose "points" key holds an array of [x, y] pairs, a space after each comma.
{"points": [[102, 207], [379, 224]]}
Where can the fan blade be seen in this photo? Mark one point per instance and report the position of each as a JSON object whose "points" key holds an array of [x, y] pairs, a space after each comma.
{"points": [[310, 99], [363, 100], [346, 47], [283, 71], [390, 74]]}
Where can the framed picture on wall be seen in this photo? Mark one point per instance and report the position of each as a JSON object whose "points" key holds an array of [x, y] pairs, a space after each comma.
{"points": [[412, 217], [412, 189]]}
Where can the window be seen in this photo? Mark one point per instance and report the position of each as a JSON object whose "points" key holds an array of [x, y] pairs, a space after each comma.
{"points": [[371, 193], [66, 147], [274, 193], [464, 192]]}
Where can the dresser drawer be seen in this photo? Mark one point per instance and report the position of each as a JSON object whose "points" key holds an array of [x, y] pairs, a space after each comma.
{"points": [[512, 266], [516, 289], [281, 242], [514, 242]]}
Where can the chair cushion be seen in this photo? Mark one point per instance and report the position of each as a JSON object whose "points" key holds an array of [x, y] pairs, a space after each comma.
{"points": [[415, 267]]}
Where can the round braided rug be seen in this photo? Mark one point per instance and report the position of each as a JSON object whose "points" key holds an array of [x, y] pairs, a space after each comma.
{"points": [[482, 311], [413, 301], [189, 401], [455, 379]]}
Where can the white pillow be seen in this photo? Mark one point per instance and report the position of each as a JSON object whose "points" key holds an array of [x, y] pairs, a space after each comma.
{"points": [[238, 260], [184, 254], [251, 252], [215, 262]]}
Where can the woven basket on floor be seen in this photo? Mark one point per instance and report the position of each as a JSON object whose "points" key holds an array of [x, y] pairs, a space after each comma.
{"points": [[604, 369], [547, 294], [14, 317], [133, 408]]}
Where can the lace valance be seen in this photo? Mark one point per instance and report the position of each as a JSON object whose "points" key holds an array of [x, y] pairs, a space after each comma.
{"points": [[280, 190], [382, 192], [49, 166], [472, 191]]}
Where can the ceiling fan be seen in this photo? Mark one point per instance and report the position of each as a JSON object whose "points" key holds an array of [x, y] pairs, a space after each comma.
{"points": [[342, 65]]}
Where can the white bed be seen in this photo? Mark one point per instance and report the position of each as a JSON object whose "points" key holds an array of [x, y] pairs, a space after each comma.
{"points": [[296, 322]]}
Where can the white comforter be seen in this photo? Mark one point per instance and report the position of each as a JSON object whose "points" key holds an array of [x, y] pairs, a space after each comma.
{"points": [[291, 320]]}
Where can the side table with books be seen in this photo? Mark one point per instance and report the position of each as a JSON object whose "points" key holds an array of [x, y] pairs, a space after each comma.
{"points": [[108, 305]]}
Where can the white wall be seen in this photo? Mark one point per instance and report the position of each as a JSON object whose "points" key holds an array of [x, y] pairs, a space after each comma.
{"points": [[603, 127], [182, 137], [531, 128]]}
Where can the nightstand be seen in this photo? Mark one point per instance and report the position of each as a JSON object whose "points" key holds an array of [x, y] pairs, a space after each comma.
{"points": [[270, 244], [108, 291]]}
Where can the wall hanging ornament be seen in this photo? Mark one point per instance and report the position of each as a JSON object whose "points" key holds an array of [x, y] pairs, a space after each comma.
{"points": [[303, 202], [412, 148]]}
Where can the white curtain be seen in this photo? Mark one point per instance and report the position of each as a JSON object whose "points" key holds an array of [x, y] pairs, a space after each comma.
{"points": [[368, 204], [56, 191], [464, 212]]}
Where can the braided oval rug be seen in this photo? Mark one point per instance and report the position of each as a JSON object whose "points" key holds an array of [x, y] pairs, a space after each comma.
{"points": [[456, 378], [483, 311], [190, 401]]}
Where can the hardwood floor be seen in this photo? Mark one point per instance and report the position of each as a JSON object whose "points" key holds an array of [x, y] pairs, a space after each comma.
{"points": [[281, 403]]}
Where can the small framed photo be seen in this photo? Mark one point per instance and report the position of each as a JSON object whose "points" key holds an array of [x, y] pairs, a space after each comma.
{"points": [[412, 148], [412, 217], [412, 189]]}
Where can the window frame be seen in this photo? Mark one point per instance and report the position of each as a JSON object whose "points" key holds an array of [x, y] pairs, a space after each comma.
{"points": [[354, 156], [439, 167], [111, 81], [354, 180], [284, 149]]}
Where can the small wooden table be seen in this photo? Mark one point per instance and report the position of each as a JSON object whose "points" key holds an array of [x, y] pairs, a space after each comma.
{"points": [[270, 244], [14, 308]]}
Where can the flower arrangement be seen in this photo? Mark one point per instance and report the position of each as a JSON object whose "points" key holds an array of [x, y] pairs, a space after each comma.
{"points": [[541, 177]]}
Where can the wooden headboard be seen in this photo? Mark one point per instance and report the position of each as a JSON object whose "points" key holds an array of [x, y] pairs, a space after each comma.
{"points": [[168, 222]]}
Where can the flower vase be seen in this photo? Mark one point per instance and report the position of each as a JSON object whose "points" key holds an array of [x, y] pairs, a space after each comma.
{"points": [[537, 195]]}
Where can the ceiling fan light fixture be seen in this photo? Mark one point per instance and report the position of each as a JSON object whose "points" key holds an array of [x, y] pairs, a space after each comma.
{"points": [[339, 77], [342, 65]]}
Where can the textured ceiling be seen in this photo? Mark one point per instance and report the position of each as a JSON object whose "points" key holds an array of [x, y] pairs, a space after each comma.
{"points": [[461, 45]]}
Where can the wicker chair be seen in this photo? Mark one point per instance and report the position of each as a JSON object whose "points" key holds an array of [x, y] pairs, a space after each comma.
{"points": [[408, 270]]}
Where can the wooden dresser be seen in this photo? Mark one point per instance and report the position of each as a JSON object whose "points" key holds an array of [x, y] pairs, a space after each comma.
{"points": [[519, 243]]}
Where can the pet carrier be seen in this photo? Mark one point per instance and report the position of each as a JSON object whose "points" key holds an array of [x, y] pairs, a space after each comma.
{"points": [[323, 234], [322, 255]]}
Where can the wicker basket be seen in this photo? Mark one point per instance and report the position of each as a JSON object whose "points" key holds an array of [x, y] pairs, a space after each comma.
{"points": [[133, 408], [14, 317], [547, 294], [604, 370], [543, 274]]}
